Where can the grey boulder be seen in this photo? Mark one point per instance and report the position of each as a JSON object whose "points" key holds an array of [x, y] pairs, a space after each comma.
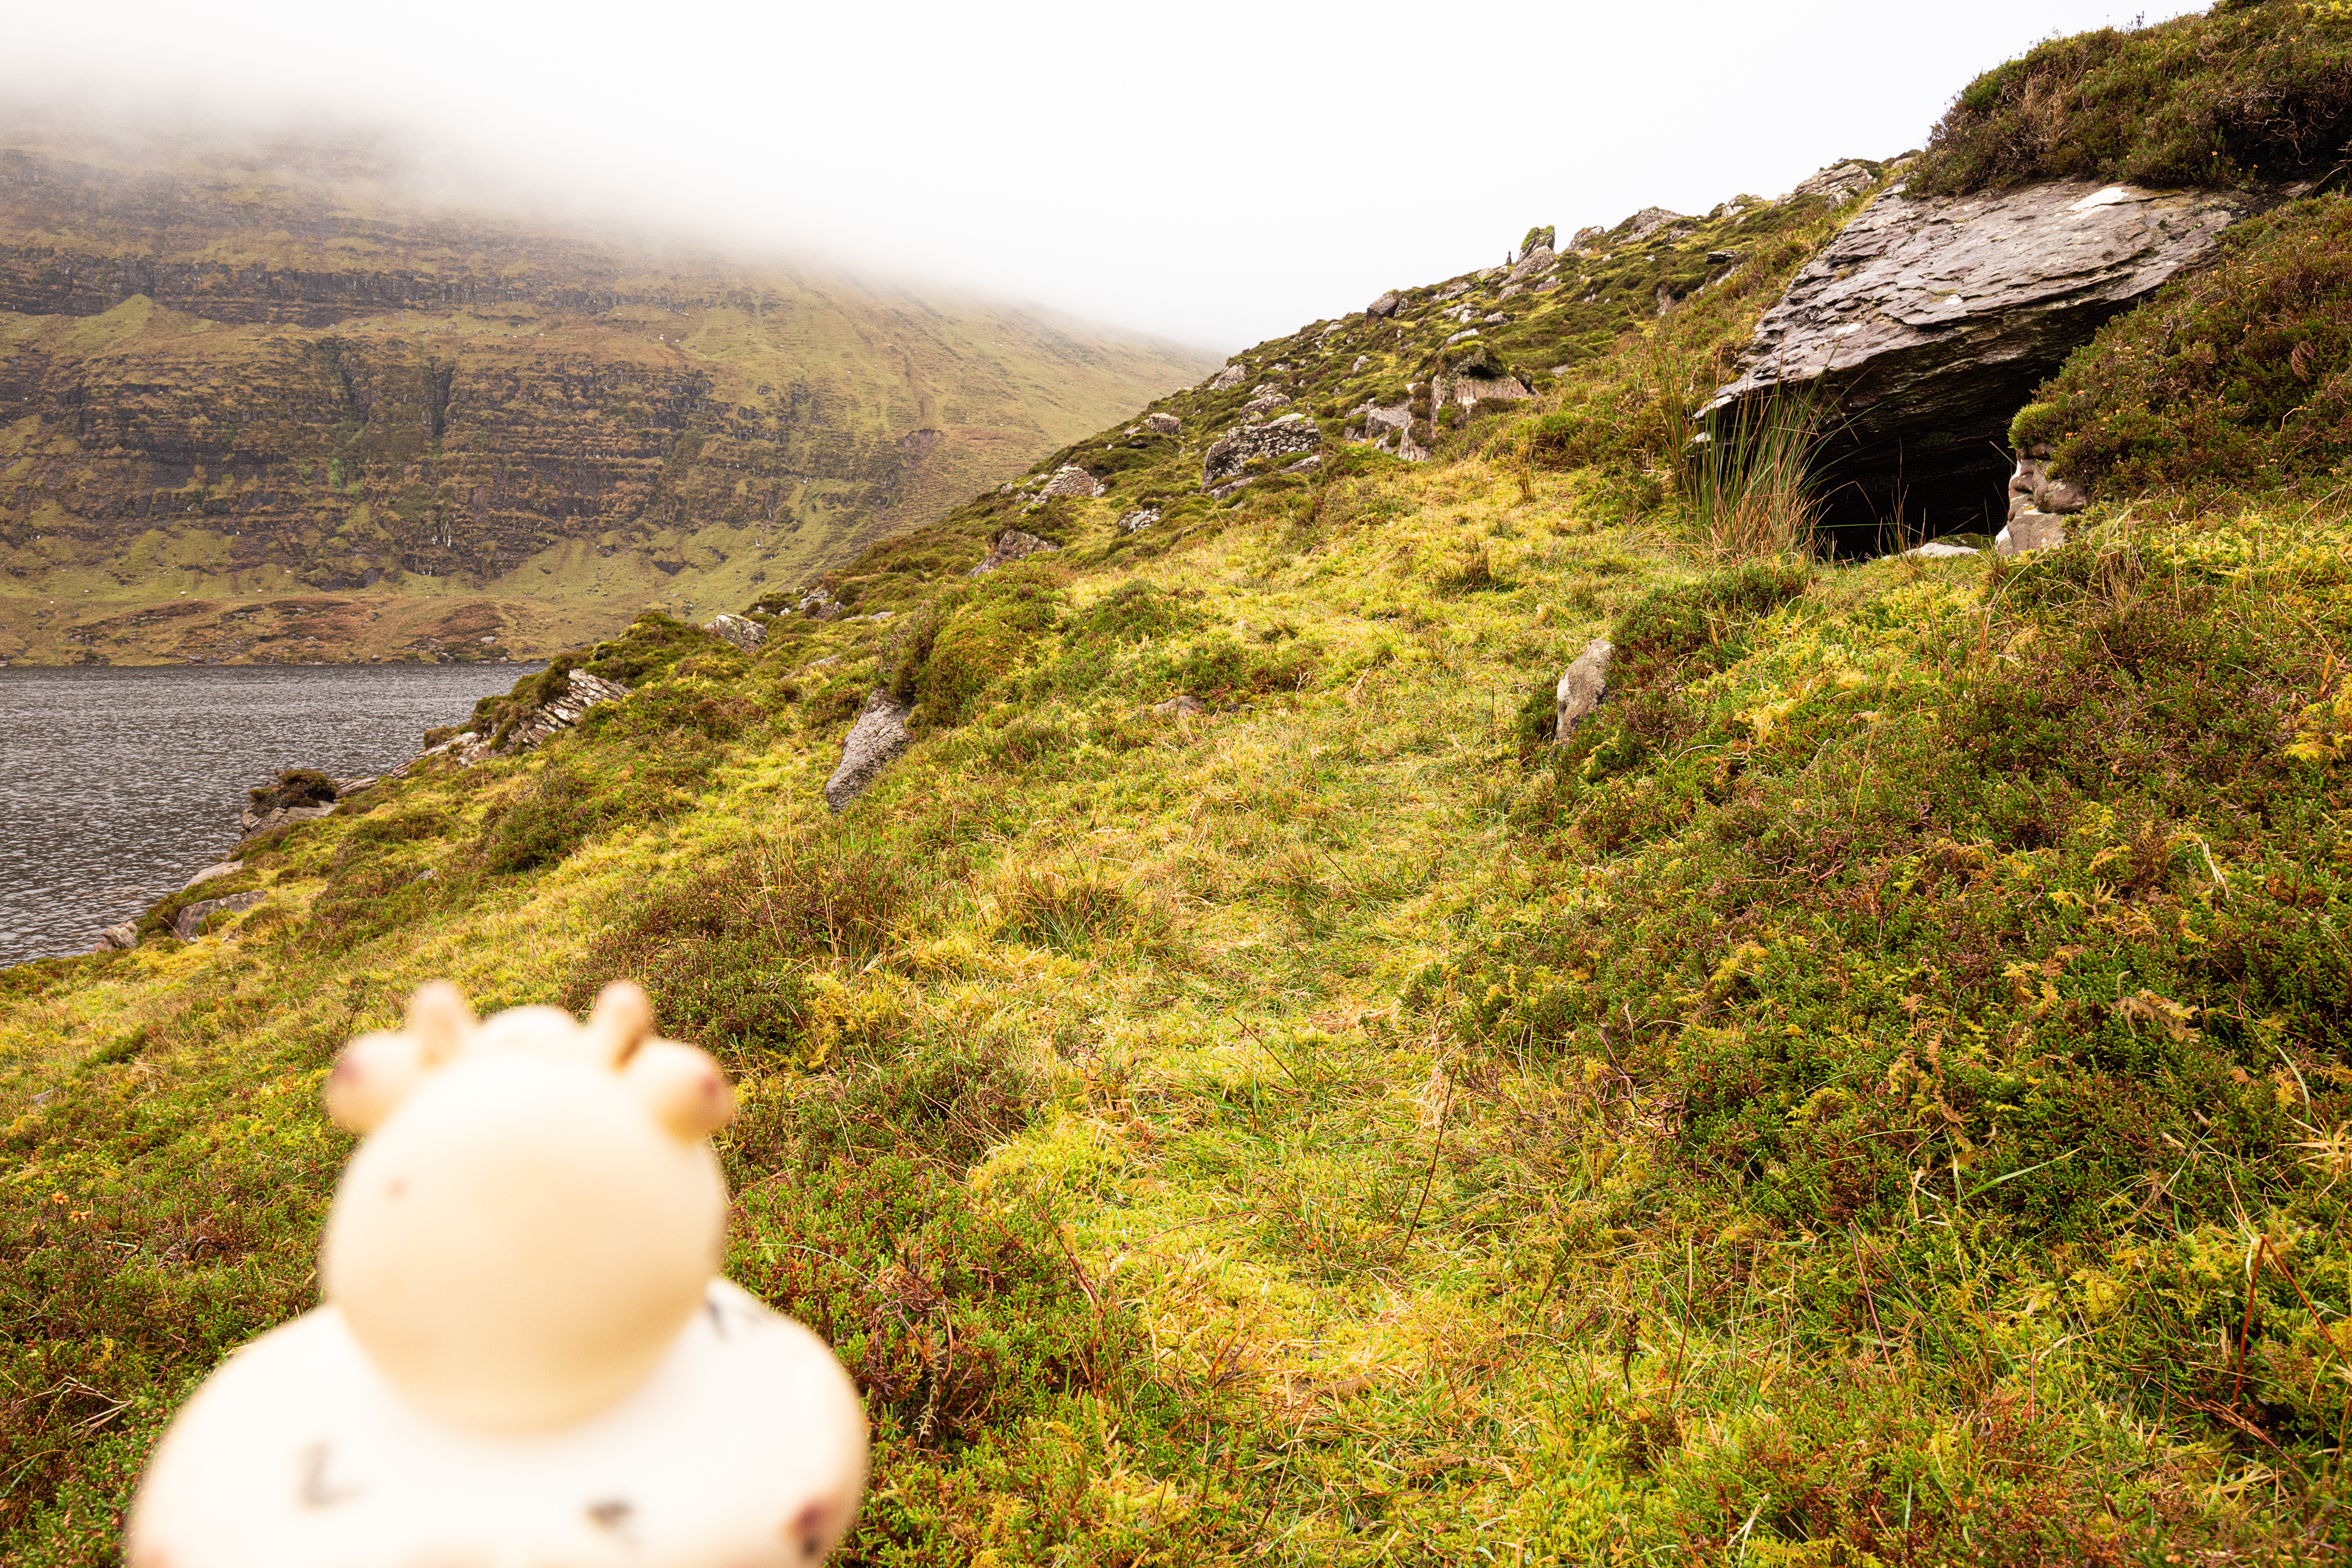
{"points": [[1386, 305], [741, 630], [1292, 435], [1012, 545], [2030, 488], [1581, 686], [1928, 321], [1162, 424], [1069, 479], [188, 923], [1225, 380], [2030, 530], [873, 742]]}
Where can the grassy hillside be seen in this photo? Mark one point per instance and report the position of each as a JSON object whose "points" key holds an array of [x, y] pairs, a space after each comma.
{"points": [[1876, 1093], [232, 372]]}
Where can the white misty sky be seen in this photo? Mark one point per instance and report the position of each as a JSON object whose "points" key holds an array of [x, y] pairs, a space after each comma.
{"points": [[1213, 171]]}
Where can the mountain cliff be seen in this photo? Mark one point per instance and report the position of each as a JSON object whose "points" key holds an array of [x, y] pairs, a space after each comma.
{"points": [[241, 373]]}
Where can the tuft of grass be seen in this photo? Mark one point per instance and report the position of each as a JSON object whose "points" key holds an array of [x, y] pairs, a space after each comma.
{"points": [[1749, 480]]}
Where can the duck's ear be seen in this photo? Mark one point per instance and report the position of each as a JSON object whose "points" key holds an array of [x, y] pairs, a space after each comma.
{"points": [[371, 1077], [440, 1020], [682, 1087], [621, 1020]]}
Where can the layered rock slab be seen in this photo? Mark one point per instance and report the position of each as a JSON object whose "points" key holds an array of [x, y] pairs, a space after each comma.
{"points": [[1928, 321]]}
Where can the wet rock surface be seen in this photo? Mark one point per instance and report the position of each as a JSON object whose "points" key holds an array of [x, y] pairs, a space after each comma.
{"points": [[1924, 325]]}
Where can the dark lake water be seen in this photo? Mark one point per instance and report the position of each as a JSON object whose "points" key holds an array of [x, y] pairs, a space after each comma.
{"points": [[121, 784]]}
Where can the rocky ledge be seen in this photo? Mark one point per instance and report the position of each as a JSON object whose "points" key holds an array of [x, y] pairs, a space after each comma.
{"points": [[1926, 324]]}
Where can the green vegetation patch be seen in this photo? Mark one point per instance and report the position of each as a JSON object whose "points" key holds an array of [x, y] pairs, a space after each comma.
{"points": [[2238, 376], [2254, 88]]}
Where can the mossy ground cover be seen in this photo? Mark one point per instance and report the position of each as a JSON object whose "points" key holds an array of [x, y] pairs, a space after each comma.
{"points": [[1876, 1094], [2236, 378], [2250, 90]]}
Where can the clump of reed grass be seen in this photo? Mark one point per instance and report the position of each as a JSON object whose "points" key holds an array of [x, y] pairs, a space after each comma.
{"points": [[1749, 482]]}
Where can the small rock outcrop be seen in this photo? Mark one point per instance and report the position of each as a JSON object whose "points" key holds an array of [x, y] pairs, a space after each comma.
{"points": [[1181, 706], [582, 692], [1839, 182], [1293, 434], [818, 604], [873, 742], [1225, 380], [225, 868], [2030, 488], [1010, 545], [118, 939], [1069, 481], [1264, 401], [1138, 520], [741, 630], [1162, 424], [1928, 321], [2030, 530], [1385, 306], [1581, 686], [188, 922]]}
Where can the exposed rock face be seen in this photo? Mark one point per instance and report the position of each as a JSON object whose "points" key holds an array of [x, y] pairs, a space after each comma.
{"points": [[1264, 401], [1225, 380], [1928, 321], [1838, 182], [225, 868], [582, 692], [1069, 481], [1162, 424], [189, 923], [1581, 686], [1293, 434], [256, 820], [1647, 222], [2030, 488], [117, 938], [1535, 262], [2030, 530], [1470, 390], [1386, 305], [819, 604], [873, 742], [1138, 520], [1010, 545], [744, 632]]}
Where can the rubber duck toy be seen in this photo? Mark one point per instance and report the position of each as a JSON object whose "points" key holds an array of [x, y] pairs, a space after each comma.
{"points": [[526, 1357]]}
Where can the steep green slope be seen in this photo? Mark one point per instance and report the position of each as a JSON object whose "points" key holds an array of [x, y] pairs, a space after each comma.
{"points": [[226, 373], [1877, 1093]]}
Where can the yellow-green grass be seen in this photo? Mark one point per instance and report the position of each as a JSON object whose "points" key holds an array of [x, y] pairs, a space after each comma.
{"points": [[1338, 1128]]}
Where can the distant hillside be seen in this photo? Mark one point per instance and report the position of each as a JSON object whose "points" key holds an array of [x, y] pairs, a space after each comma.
{"points": [[238, 371]]}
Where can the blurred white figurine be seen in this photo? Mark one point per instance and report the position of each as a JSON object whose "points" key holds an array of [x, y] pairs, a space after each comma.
{"points": [[525, 1355]]}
